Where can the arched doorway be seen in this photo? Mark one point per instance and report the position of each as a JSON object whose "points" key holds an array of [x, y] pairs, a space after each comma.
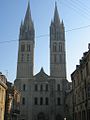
{"points": [[41, 116], [58, 117]]}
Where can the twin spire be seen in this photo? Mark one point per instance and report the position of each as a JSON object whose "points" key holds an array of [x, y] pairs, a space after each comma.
{"points": [[28, 25], [28, 18]]}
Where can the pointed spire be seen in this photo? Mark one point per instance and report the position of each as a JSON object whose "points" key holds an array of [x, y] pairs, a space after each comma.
{"points": [[27, 27], [42, 70], [56, 15], [28, 18]]}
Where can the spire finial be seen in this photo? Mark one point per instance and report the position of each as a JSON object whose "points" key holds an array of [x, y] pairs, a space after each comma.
{"points": [[27, 26], [42, 70], [55, 4], [28, 18], [28, 2], [56, 15]]}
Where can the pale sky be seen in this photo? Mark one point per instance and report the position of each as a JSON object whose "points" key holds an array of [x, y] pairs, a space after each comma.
{"points": [[75, 14]]}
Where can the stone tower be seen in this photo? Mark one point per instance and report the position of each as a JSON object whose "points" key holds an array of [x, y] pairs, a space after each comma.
{"points": [[25, 62], [57, 47], [26, 47]]}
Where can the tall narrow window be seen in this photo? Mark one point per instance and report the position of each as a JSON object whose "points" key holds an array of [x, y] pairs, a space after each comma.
{"points": [[41, 87], [54, 47], [41, 101], [46, 87], [23, 101], [58, 87], [46, 101], [36, 87], [36, 101], [22, 48], [58, 101], [28, 48], [24, 87], [60, 47]]}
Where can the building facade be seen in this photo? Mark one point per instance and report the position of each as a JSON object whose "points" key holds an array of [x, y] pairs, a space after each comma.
{"points": [[69, 105], [42, 95], [3, 89], [12, 104], [81, 88]]}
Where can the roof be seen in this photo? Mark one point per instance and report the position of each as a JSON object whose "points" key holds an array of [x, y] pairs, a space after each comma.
{"points": [[41, 75]]}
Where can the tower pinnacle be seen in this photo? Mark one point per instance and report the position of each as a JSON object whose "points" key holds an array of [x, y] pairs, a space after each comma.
{"points": [[56, 15], [27, 27], [28, 19]]}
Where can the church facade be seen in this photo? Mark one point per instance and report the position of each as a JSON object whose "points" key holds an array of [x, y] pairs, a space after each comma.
{"points": [[42, 95]]}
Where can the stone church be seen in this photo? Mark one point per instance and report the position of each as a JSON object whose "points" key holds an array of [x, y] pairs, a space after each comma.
{"points": [[42, 95]]}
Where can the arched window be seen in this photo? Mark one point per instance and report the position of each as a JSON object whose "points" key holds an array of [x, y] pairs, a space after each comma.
{"points": [[58, 87], [54, 47], [60, 47], [58, 101], [41, 87], [22, 48], [59, 117], [46, 101], [41, 101], [46, 87], [23, 101], [36, 101], [24, 87], [28, 48]]}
